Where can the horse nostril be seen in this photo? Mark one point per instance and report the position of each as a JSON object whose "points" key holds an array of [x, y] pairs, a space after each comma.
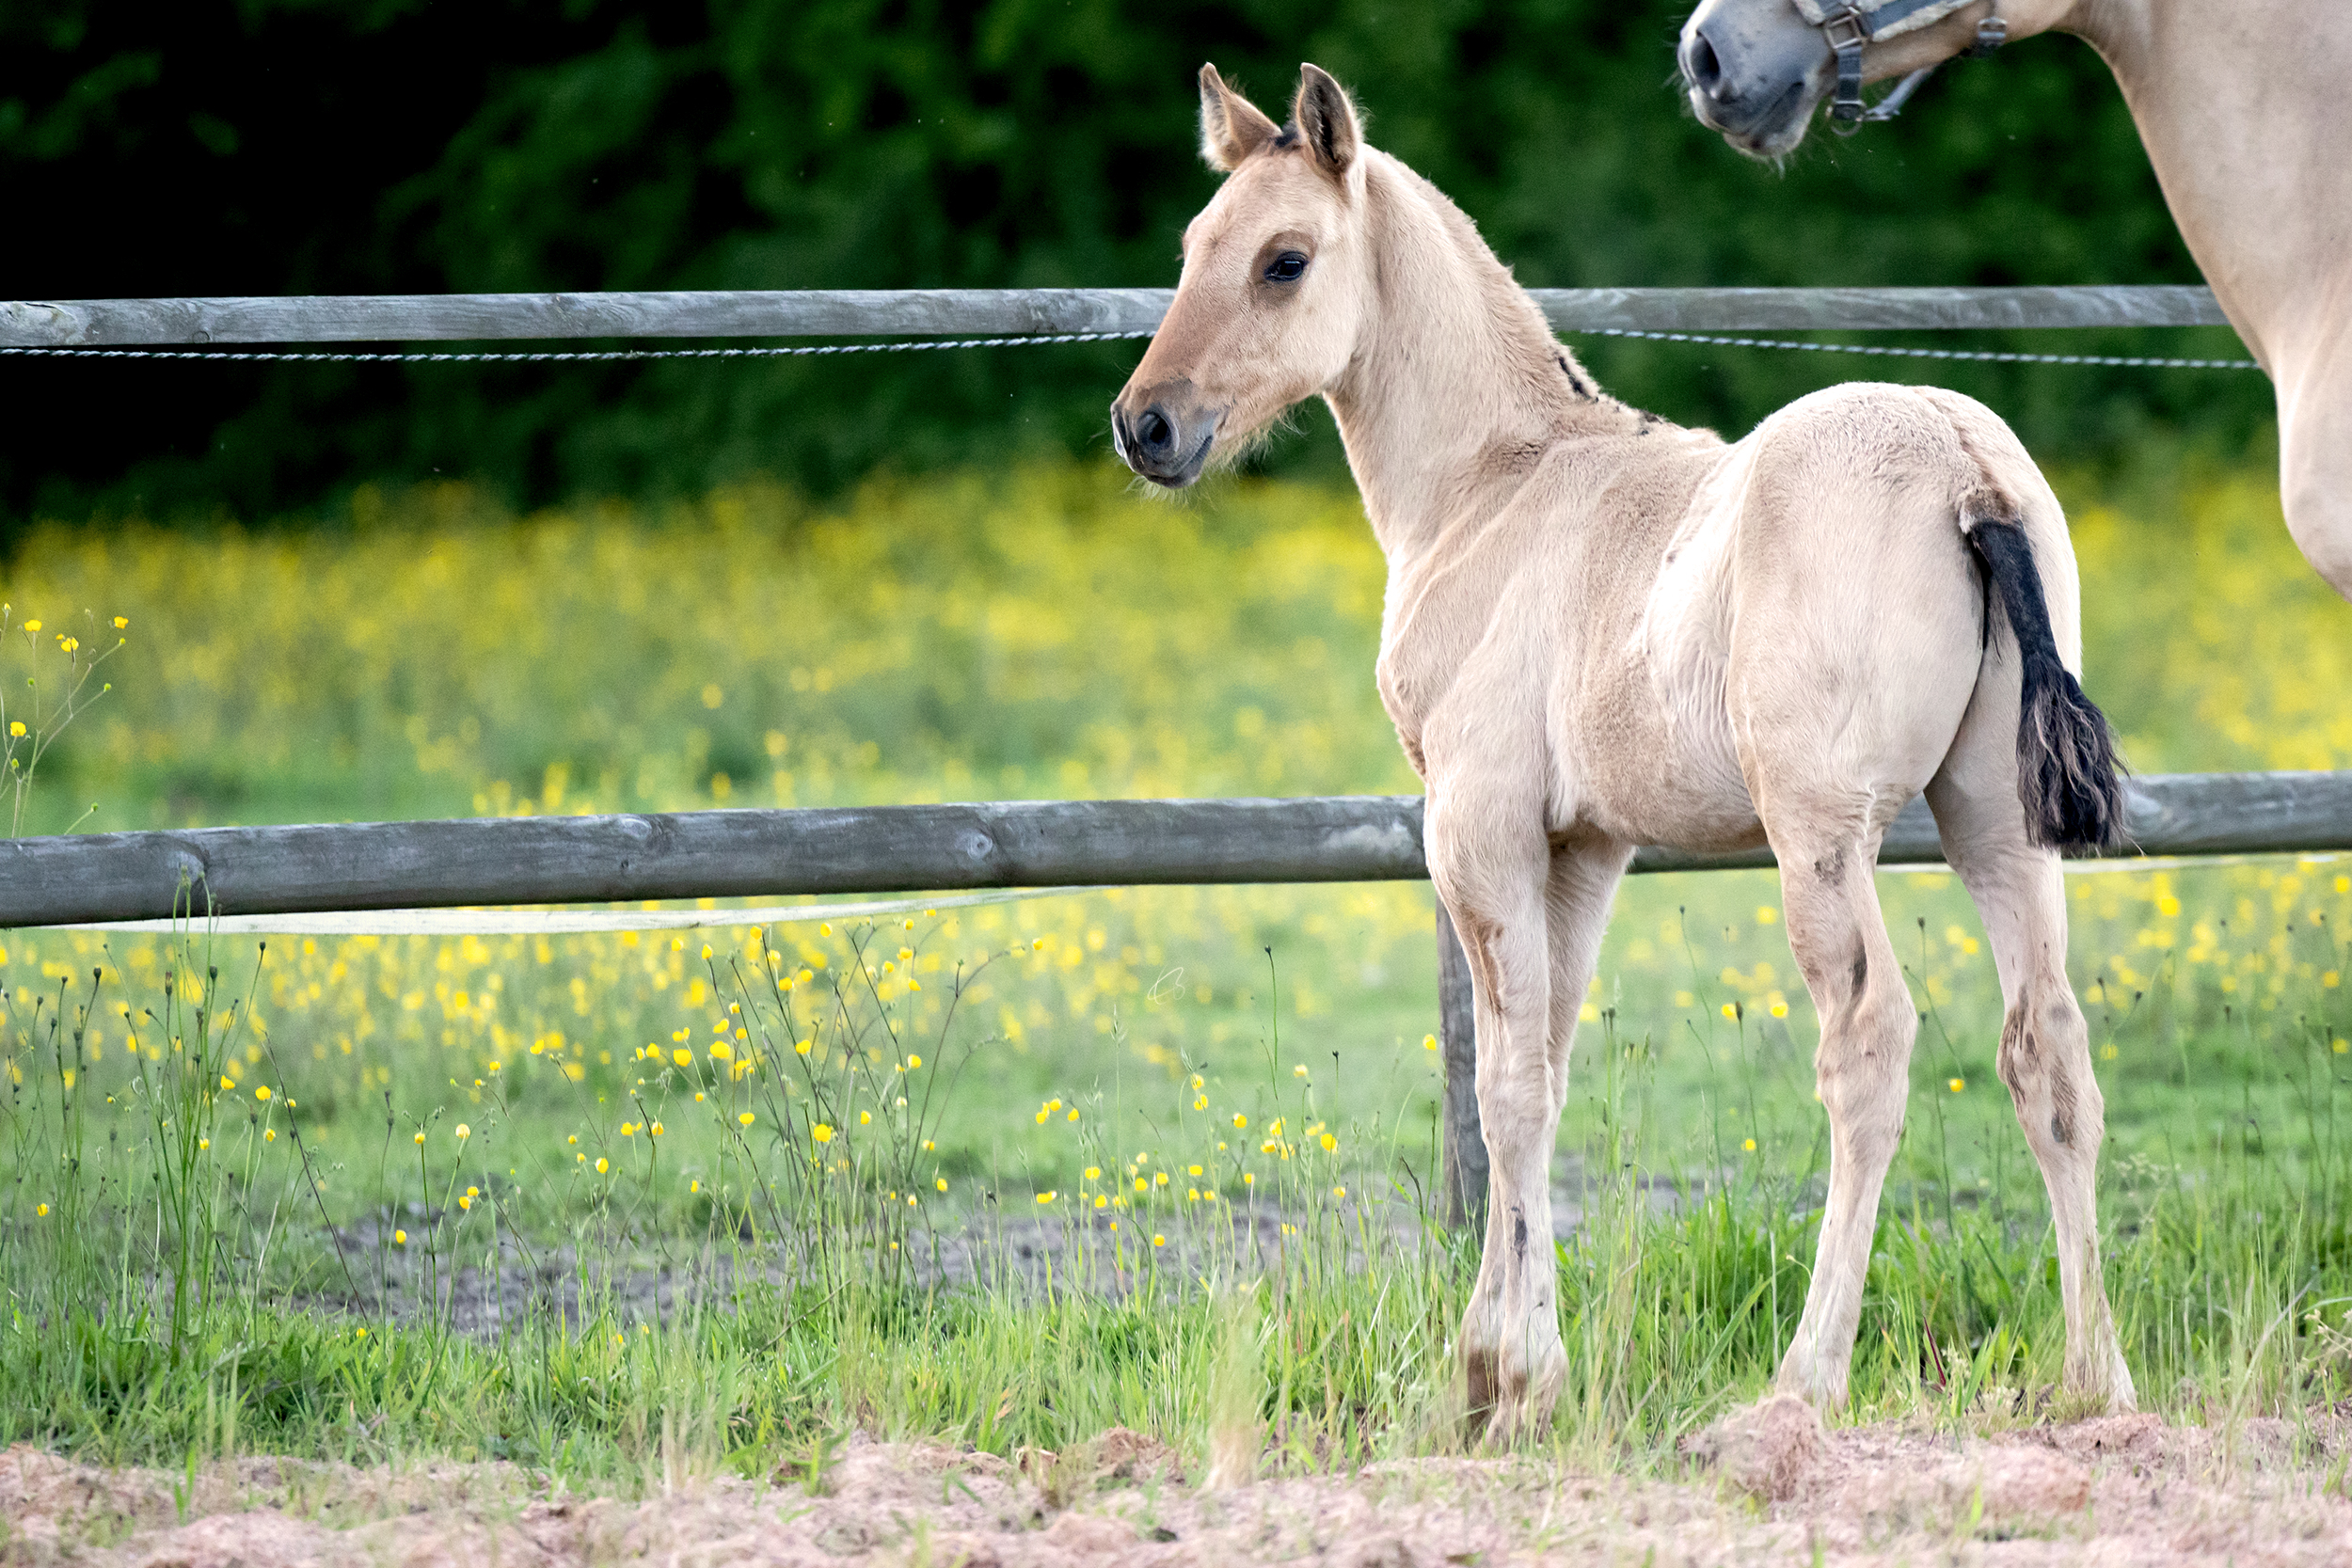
{"points": [[1700, 67], [1153, 432]]}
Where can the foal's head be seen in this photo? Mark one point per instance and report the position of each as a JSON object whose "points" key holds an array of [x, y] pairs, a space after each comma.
{"points": [[1276, 269]]}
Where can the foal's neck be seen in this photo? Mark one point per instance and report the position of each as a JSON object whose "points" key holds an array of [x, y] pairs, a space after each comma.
{"points": [[1458, 382]]}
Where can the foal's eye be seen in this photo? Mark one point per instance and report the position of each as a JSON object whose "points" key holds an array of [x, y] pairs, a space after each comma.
{"points": [[1286, 268]]}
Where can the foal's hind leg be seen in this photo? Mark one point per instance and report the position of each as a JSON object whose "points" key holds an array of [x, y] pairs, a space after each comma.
{"points": [[1827, 848], [2045, 1048]]}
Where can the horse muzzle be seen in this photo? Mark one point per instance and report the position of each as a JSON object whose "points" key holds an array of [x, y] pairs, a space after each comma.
{"points": [[1756, 93], [1164, 439]]}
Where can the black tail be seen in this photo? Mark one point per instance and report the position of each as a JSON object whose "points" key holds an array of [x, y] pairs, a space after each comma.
{"points": [[2069, 778]]}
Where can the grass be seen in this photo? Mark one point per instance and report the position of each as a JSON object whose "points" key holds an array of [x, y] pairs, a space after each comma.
{"points": [[173, 1292]]}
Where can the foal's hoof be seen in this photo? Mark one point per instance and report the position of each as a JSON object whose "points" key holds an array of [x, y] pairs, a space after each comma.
{"points": [[1505, 1403]]}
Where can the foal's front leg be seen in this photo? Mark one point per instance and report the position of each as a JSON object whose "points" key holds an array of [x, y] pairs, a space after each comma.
{"points": [[1492, 867]]}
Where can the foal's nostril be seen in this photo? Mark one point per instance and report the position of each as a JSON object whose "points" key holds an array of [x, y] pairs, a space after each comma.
{"points": [[1700, 67], [1154, 433]]}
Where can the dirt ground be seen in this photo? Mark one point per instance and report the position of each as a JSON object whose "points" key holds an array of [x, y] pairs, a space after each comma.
{"points": [[1769, 1485]]}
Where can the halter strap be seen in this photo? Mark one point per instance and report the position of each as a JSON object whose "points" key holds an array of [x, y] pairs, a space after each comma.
{"points": [[1850, 25]]}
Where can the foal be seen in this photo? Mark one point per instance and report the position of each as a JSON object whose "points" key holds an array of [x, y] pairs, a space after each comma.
{"points": [[1603, 631]]}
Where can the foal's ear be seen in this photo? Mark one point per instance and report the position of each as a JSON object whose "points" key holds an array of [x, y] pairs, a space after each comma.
{"points": [[1231, 126], [1327, 121]]}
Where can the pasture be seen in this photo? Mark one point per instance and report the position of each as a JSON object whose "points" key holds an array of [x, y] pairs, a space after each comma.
{"points": [[617, 1212]]}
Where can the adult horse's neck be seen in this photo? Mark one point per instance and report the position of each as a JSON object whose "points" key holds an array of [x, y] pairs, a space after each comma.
{"points": [[2229, 99], [1454, 374]]}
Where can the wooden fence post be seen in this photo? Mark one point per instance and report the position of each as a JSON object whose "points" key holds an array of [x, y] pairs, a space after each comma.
{"points": [[1464, 1175]]}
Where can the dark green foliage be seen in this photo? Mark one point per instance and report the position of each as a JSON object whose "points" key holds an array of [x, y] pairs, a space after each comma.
{"points": [[292, 146]]}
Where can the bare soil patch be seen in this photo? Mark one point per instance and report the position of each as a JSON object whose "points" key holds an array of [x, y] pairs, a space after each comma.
{"points": [[1767, 1485]]}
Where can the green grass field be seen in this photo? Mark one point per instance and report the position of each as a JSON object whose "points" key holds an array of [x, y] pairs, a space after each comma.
{"points": [[810, 1113]]}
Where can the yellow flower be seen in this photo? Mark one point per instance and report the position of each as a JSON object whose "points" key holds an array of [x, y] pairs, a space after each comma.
{"points": [[1749, 1145], [465, 1202], [656, 1129], [1299, 1071], [464, 1132], [913, 1063], [269, 1135], [747, 1118], [42, 1211], [603, 1165], [1101, 1202], [1159, 1239], [1047, 1197], [32, 626], [1192, 1170], [16, 728], [421, 1138], [121, 621], [1731, 1010], [682, 1056], [1339, 1192], [1240, 1120], [400, 1238], [720, 1051], [261, 1091], [226, 1081], [1329, 1142], [1429, 1042], [865, 1118], [822, 1132], [1094, 1173], [1956, 1085]]}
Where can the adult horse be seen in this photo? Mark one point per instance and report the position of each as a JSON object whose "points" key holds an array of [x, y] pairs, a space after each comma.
{"points": [[2233, 99], [1602, 631]]}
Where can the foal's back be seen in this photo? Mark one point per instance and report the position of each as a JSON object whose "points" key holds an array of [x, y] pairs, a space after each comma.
{"points": [[1812, 581]]}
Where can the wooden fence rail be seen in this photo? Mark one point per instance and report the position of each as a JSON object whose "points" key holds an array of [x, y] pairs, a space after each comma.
{"points": [[554, 860], [380, 866], [1019, 312]]}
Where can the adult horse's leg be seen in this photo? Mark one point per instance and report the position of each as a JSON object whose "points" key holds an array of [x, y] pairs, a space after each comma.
{"points": [[1827, 850], [2045, 1048], [1491, 864], [2316, 454]]}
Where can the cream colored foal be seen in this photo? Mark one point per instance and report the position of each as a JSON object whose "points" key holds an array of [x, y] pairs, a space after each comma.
{"points": [[1603, 631]]}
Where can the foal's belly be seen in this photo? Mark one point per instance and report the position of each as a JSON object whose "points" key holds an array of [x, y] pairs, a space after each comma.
{"points": [[1648, 757]]}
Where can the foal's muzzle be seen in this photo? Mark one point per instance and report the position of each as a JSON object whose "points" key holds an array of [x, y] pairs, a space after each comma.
{"points": [[1165, 440]]}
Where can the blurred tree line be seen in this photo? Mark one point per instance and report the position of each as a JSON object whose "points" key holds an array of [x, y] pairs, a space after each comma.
{"points": [[362, 145]]}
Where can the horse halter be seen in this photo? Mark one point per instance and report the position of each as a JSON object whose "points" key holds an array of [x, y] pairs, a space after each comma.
{"points": [[1850, 25]]}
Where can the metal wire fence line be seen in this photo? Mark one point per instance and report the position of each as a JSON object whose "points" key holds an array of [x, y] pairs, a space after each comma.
{"points": [[804, 349]]}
